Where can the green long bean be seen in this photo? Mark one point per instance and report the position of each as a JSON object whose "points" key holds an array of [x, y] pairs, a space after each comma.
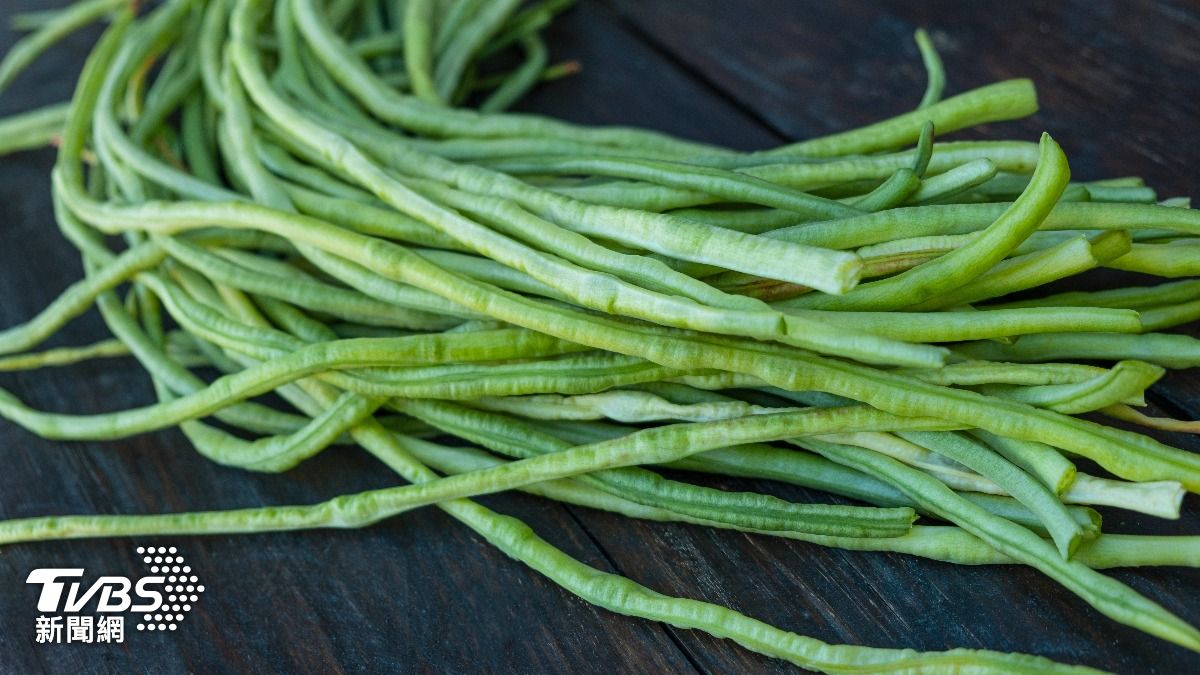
{"points": [[289, 194], [962, 265]]}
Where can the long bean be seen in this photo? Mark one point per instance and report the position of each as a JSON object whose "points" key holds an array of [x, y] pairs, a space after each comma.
{"points": [[62, 24], [289, 194], [1066, 533], [1165, 349], [898, 396], [63, 356], [1109, 596], [960, 266], [1002, 101], [756, 511], [33, 129], [419, 48], [933, 69]]}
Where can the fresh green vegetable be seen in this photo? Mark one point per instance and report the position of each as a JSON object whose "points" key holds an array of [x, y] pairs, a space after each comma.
{"points": [[324, 201]]}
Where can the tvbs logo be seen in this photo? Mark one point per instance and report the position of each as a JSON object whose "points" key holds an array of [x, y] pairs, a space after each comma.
{"points": [[112, 594], [161, 598]]}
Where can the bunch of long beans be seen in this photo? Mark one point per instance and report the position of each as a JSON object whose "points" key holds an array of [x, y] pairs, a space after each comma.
{"points": [[305, 212]]}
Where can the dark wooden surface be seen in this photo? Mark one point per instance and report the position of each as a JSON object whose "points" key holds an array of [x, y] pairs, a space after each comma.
{"points": [[419, 593]]}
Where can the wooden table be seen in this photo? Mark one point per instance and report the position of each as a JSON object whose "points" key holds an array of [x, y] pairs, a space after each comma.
{"points": [[1119, 88]]}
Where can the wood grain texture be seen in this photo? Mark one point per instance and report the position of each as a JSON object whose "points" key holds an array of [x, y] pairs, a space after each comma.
{"points": [[420, 593]]}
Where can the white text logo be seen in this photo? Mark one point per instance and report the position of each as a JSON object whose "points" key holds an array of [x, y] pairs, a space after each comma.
{"points": [[94, 609]]}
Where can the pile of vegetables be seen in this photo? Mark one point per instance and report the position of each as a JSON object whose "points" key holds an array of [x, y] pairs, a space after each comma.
{"points": [[324, 201]]}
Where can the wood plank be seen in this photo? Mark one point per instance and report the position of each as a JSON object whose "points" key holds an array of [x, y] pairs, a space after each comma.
{"points": [[625, 81]]}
